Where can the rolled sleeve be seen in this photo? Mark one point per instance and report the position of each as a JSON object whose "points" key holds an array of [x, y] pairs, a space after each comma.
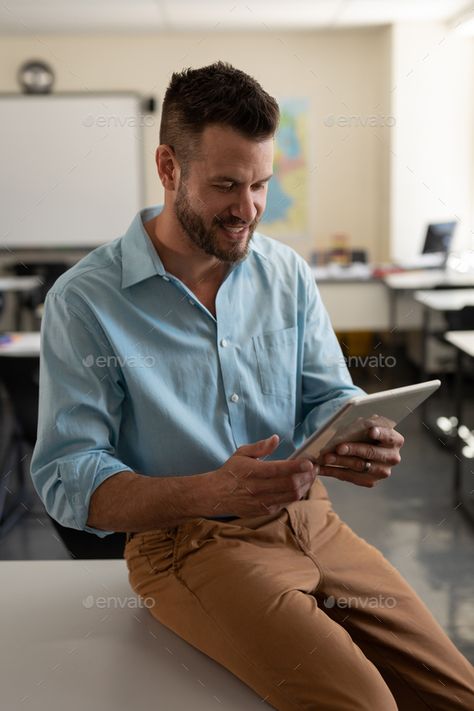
{"points": [[326, 381], [79, 413]]}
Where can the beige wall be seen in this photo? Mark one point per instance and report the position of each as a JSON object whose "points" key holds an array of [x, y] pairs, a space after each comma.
{"points": [[432, 176], [374, 97], [344, 74]]}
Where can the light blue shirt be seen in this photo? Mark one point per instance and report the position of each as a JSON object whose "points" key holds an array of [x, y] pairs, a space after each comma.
{"points": [[136, 374]]}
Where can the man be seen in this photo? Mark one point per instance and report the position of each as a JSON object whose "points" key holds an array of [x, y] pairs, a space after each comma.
{"points": [[181, 364]]}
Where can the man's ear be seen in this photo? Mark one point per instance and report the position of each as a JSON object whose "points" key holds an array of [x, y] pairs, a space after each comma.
{"points": [[167, 166]]}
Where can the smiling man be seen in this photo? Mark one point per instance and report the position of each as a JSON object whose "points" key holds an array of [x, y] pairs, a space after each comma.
{"points": [[181, 364], [215, 203], [212, 225]]}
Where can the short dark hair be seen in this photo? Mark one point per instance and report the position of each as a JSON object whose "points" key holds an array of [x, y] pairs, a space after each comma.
{"points": [[216, 94]]}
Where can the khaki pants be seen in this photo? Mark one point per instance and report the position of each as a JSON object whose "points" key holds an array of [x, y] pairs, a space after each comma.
{"points": [[302, 610]]}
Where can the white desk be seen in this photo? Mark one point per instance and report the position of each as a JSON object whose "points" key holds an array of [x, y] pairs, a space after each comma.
{"points": [[25, 344], [356, 305], [402, 285], [72, 637], [439, 302], [428, 279], [446, 299], [462, 340], [359, 303], [17, 284]]}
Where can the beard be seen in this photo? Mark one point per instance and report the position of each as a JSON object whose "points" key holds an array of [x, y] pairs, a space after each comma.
{"points": [[208, 238]]}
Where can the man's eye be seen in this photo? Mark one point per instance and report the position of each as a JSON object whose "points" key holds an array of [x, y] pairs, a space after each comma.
{"points": [[225, 188]]}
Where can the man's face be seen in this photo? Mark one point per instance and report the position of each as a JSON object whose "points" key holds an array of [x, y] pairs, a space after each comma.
{"points": [[223, 194]]}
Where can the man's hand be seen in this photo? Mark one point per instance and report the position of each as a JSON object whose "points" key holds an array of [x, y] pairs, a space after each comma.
{"points": [[246, 486], [365, 464]]}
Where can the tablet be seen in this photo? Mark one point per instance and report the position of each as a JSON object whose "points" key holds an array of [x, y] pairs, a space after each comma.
{"points": [[356, 415]]}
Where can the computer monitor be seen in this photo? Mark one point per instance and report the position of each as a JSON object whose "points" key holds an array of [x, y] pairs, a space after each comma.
{"points": [[438, 237]]}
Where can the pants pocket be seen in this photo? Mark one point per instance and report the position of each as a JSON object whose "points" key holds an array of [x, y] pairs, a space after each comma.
{"points": [[158, 549]]}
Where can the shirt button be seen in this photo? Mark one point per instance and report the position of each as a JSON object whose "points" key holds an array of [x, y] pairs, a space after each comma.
{"points": [[191, 302], [224, 342], [234, 397]]}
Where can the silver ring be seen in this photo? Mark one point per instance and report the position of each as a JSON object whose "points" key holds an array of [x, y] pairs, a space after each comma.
{"points": [[367, 466]]}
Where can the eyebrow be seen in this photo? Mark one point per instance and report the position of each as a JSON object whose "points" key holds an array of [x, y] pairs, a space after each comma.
{"points": [[228, 179]]}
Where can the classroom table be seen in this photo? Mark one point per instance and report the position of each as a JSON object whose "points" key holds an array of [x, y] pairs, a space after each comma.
{"points": [[357, 301], [463, 341], [446, 299], [18, 284], [75, 636], [439, 301], [355, 304], [23, 344], [403, 282]]}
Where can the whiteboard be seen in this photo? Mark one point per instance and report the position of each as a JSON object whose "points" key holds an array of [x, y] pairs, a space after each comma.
{"points": [[71, 170]]}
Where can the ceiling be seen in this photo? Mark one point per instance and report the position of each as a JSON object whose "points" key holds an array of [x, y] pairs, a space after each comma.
{"points": [[37, 16]]}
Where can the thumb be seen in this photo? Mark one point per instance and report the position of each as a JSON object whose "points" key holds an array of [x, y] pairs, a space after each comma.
{"points": [[260, 448]]}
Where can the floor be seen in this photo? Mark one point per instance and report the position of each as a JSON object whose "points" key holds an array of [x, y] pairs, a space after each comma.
{"points": [[411, 517]]}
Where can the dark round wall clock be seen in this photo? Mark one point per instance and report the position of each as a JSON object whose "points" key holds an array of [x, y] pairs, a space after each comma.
{"points": [[36, 77]]}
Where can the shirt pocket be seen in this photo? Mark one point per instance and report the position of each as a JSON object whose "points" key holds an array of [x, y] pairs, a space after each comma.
{"points": [[275, 352]]}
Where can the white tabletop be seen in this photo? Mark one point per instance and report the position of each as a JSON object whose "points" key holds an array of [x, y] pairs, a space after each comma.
{"points": [[354, 271], [463, 340], [427, 279], [73, 637], [19, 283], [23, 343], [446, 299]]}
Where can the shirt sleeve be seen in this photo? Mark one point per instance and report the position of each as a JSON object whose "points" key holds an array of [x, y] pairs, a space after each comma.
{"points": [[80, 400], [326, 382]]}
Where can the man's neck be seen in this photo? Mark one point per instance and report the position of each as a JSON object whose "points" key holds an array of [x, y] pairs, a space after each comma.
{"points": [[182, 259]]}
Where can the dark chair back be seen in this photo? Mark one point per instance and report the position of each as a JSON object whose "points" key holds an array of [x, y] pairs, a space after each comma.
{"points": [[85, 545], [20, 378], [462, 320]]}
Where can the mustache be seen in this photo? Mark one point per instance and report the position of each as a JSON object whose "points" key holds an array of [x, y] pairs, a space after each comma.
{"points": [[233, 222]]}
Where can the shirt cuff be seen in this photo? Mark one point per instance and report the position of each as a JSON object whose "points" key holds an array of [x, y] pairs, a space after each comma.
{"points": [[80, 477]]}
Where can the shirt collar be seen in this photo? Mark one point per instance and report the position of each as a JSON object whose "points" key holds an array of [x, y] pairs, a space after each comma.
{"points": [[140, 260]]}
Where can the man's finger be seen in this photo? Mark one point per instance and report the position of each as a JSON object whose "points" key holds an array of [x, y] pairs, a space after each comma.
{"points": [[357, 464], [368, 479], [256, 449], [387, 436], [368, 452], [285, 467]]}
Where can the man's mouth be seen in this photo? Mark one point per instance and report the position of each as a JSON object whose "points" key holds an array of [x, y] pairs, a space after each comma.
{"points": [[235, 232]]}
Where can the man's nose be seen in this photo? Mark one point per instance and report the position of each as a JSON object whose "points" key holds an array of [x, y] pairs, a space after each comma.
{"points": [[244, 207]]}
